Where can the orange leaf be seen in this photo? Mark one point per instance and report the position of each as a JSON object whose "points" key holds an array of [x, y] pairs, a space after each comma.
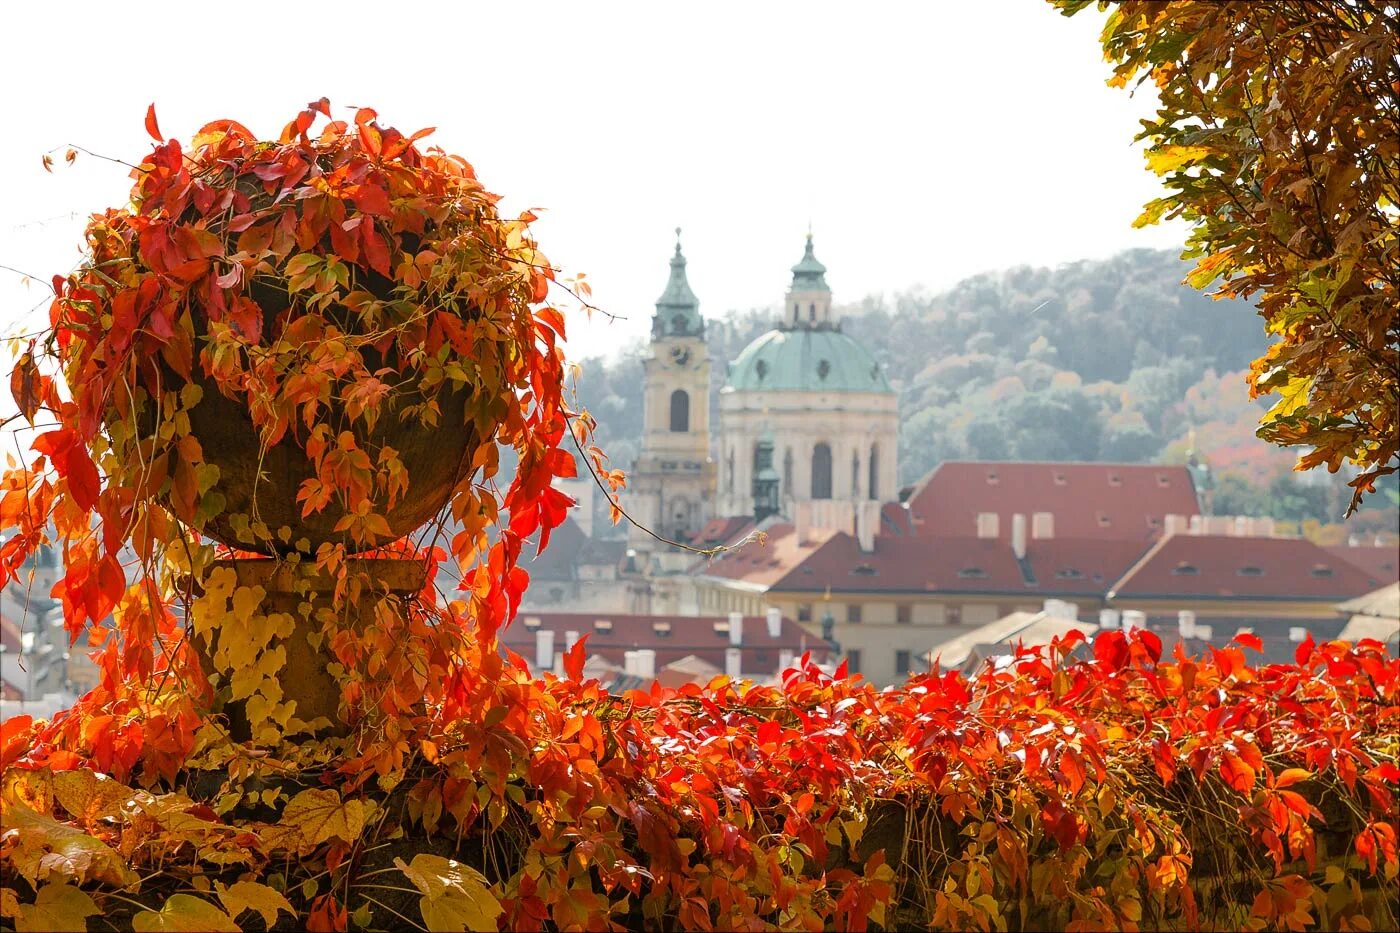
{"points": [[151, 126]]}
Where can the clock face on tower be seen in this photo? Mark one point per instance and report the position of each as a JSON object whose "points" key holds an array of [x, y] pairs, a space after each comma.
{"points": [[680, 355]]}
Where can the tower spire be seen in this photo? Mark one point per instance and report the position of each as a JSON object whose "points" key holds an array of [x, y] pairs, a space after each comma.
{"points": [[677, 310]]}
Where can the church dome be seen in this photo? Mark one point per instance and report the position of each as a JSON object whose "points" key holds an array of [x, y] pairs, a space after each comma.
{"points": [[806, 360]]}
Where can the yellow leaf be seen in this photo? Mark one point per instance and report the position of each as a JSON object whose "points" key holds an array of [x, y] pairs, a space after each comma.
{"points": [[456, 898], [1293, 395], [88, 796], [184, 913], [320, 815], [247, 895], [41, 847], [1170, 158], [58, 907]]}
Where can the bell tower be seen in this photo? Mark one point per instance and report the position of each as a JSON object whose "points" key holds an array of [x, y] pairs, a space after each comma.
{"points": [[671, 486]]}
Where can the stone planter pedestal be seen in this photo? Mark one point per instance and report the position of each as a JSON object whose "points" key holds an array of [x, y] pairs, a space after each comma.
{"points": [[305, 677]]}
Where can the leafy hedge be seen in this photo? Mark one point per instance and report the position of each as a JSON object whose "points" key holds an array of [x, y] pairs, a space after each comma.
{"points": [[1117, 790]]}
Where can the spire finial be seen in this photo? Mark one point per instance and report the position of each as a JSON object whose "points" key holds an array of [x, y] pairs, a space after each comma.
{"points": [[678, 241]]}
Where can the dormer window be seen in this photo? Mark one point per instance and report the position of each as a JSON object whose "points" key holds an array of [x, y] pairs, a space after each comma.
{"points": [[1115, 480], [992, 478], [864, 570], [1321, 571], [661, 629], [532, 622], [1184, 569], [1251, 571], [972, 573], [1070, 573], [823, 369], [603, 626], [1163, 480], [1061, 479], [761, 368]]}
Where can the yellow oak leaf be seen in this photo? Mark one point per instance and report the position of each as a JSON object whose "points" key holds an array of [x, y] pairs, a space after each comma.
{"points": [[40, 847], [57, 907], [184, 913], [248, 895], [456, 898], [320, 815]]}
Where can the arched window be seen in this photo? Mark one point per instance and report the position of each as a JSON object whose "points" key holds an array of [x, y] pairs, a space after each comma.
{"points": [[874, 471], [730, 470], [821, 471], [787, 473], [812, 311], [855, 474], [680, 411], [796, 312]]}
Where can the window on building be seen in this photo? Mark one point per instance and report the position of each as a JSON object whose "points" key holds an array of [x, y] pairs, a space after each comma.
{"points": [[812, 312], [1184, 569], [855, 475], [952, 615], [874, 469], [804, 612], [1321, 571], [821, 471], [680, 411], [853, 661], [796, 312], [853, 612], [904, 613], [787, 472], [903, 660]]}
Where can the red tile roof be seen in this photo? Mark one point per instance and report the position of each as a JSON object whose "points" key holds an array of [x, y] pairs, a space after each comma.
{"points": [[723, 530], [1222, 566], [924, 564], [688, 636], [1381, 563], [763, 564], [1088, 500]]}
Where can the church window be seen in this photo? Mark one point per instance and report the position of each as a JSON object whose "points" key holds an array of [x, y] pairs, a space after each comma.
{"points": [[761, 367], [678, 324], [855, 475], [787, 473], [796, 312], [812, 312], [874, 471], [821, 471], [823, 369], [680, 411], [730, 470]]}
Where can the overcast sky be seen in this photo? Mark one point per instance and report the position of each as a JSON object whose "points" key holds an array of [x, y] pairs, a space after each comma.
{"points": [[924, 142]]}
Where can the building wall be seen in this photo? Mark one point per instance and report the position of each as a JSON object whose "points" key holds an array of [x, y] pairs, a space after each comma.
{"points": [[849, 422]]}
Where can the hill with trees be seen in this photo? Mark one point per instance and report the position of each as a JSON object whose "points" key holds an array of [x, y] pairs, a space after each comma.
{"points": [[1111, 360]]}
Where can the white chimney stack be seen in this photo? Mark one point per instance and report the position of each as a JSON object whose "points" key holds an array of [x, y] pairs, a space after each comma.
{"points": [[1043, 525], [775, 622], [1186, 623], [1134, 618], [1018, 536], [1108, 619], [570, 639], [736, 628], [1204, 632], [544, 649], [733, 663], [646, 663], [785, 658], [1297, 634], [629, 663], [1174, 525], [987, 525]]}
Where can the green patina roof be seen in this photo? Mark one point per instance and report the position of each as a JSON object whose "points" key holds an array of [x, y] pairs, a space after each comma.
{"points": [[821, 360], [809, 275], [677, 310]]}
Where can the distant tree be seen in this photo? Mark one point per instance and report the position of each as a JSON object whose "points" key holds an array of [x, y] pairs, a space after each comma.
{"points": [[1133, 443], [1276, 136]]}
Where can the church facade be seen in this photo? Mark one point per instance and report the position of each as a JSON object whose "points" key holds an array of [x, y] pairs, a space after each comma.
{"points": [[807, 425]]}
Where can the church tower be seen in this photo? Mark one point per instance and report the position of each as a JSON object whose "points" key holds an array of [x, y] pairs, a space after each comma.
{"points": [[671, 487]]}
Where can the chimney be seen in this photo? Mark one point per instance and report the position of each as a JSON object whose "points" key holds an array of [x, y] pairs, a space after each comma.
{"points": [[629, 663], [1198, 523], [736, 628], [1243, 526], [1072, 611], [1264, 528], [570, 639], [1174, 525], [733, 663], [1186, 623], [1297, 634], [785, 658], [1054, 608], [646, 663], [987, 525], [1042, 525], [544, 649], [1204, 632], [1134, 618], [867, 520], [1018, 536], [1108, 619], [775, 622]]}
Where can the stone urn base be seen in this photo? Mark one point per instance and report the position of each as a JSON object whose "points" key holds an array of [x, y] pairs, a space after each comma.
{"points": [[301, 591]]}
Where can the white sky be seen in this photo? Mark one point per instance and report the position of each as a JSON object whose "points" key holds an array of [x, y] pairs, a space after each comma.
{"points": [[925, 142]]}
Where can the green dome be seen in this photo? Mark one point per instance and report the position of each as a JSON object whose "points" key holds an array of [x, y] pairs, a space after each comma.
{"points": [[820, 360]]}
